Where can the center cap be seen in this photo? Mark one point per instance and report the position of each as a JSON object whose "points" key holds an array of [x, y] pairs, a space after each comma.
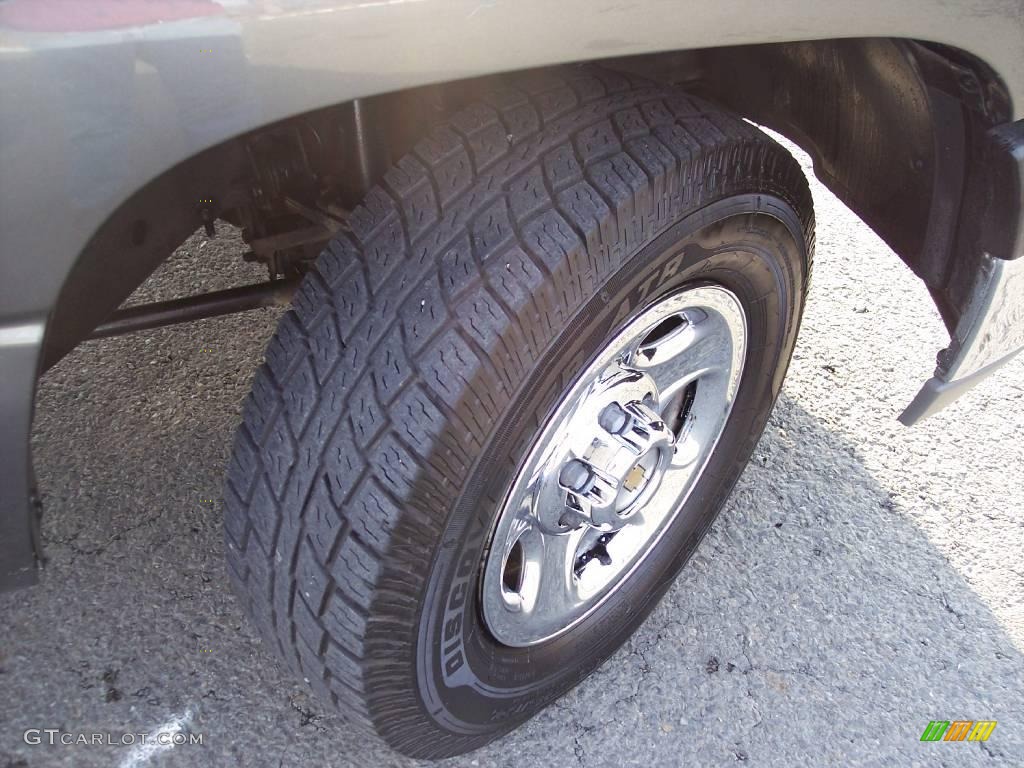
{"points": [[630, 449]]}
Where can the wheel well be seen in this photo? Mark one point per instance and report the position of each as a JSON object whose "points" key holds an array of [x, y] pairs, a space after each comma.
{"points": [[898, 129]]}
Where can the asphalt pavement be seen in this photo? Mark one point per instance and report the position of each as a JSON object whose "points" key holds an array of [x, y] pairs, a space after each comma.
{"points": [[863, 580]]}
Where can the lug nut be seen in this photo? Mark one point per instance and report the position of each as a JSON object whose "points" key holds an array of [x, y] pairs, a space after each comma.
{"points": [[613, 418], [575, 475]]}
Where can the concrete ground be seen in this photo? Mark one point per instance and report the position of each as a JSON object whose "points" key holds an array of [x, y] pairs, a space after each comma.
{"points": [[863, 580]]}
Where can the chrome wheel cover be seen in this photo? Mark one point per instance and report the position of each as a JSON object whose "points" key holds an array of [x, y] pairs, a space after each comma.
{"points": [[613, 465]]}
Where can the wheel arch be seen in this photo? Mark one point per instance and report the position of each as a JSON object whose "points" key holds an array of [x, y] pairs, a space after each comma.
{"points": [[896, 128]]}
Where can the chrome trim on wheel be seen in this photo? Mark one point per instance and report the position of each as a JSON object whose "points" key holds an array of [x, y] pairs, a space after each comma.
{"points": [[613, 464]]}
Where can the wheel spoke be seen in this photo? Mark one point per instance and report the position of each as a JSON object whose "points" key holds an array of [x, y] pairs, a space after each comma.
{"points": [[556, 595], [702, 345]]}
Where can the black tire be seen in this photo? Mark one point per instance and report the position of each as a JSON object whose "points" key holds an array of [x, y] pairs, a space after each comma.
{"points": [[426, 347]]}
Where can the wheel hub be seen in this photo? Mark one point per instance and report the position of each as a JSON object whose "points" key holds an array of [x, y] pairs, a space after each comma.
{"points": [[613, 464], [628, 453]]}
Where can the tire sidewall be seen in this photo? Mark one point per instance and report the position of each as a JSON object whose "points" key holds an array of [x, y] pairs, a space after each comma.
{"points": [[468, 682]]}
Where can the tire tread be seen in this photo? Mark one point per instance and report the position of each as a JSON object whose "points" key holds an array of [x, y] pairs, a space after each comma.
{"points": [[417, 324]]}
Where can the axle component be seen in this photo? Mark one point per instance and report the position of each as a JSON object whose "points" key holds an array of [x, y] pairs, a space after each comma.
{"points": [[275, 293]]}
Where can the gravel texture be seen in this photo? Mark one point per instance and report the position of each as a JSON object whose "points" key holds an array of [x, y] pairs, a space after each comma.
{"points": [[863, 579]]}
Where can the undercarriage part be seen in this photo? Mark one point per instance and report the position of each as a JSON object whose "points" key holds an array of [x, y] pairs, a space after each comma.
{"points": [[330, 218], [365, 164], [265, 247], [275, 293]]}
